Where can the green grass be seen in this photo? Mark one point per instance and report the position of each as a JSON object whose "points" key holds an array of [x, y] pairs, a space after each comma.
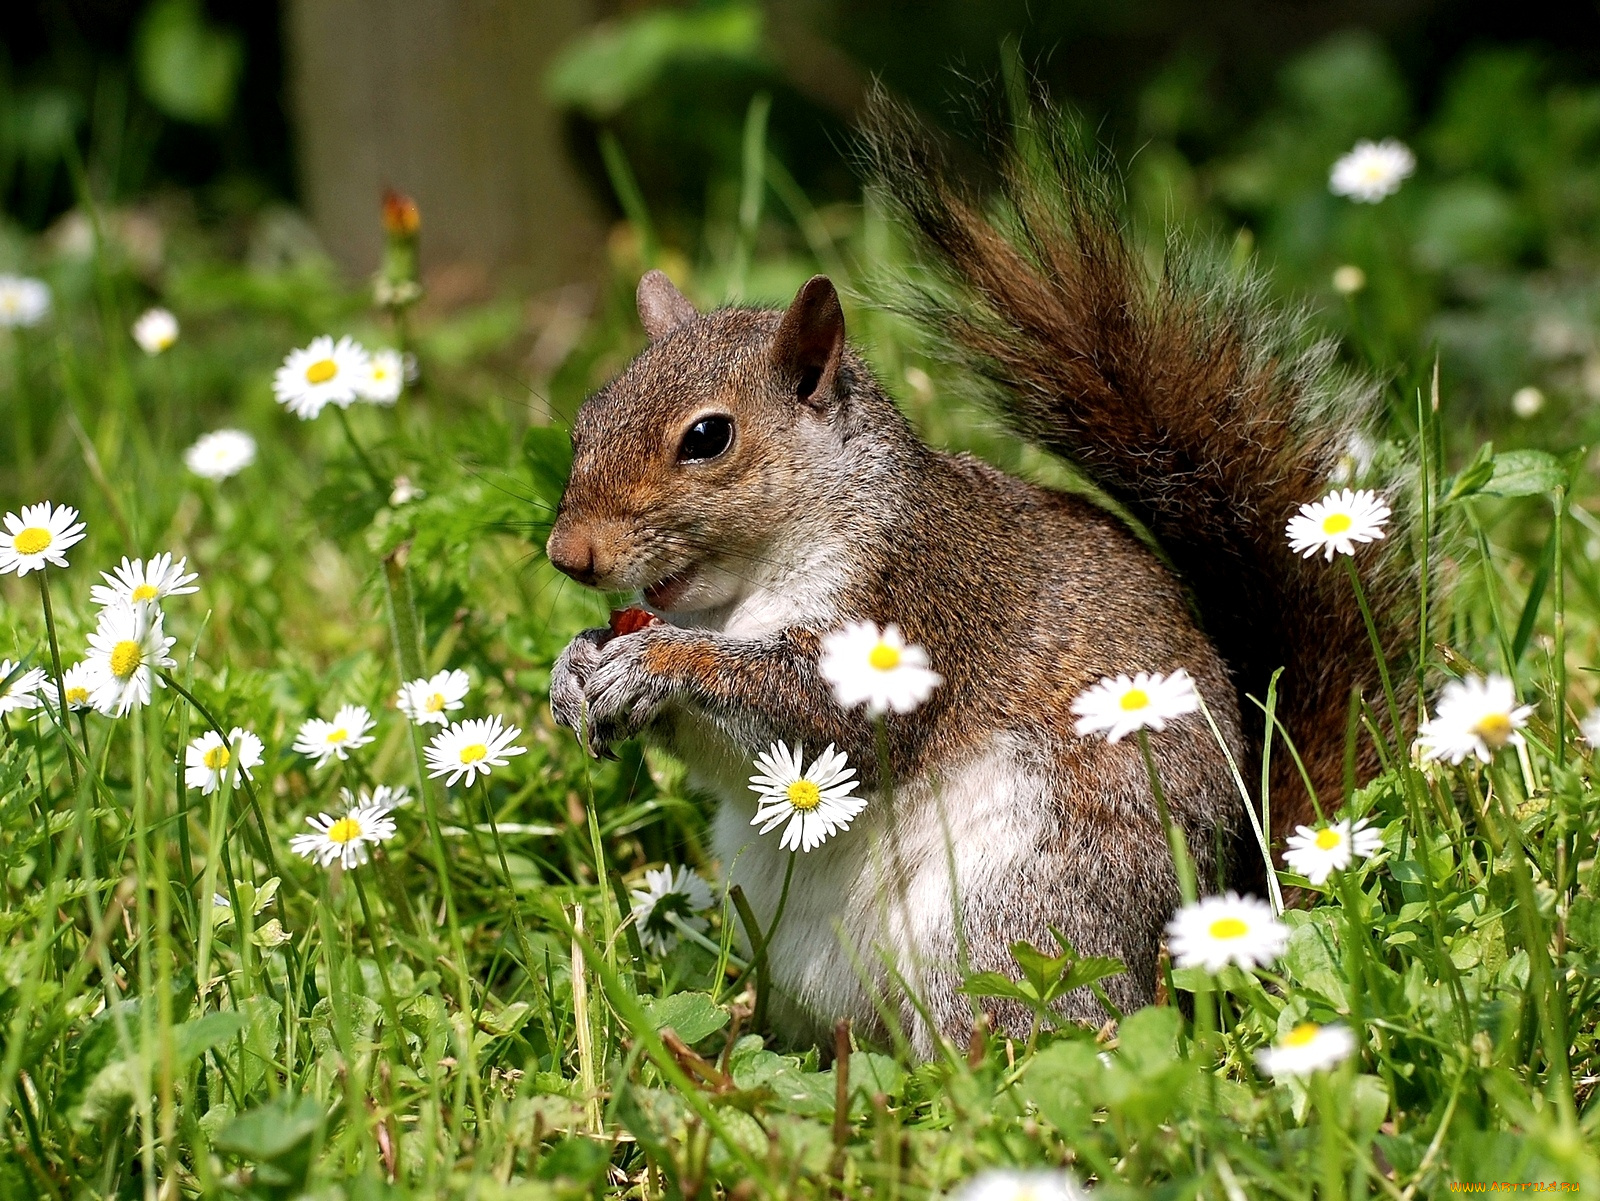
{"points": [[469, 1014]]}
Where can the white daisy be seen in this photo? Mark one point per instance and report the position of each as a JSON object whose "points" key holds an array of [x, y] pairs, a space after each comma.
{"points": [[1316, 854], [23, 301], [382, 798], [1116, 708], [425, 702], [41, 535], [124, 651], [155, 331], [1306, 1049], [78, 682], [470, 748], [1474, 716], [668, 894], [323, 740], [207, 758], [19, 689], [1336, 523], [1014, 1184], [344, 840], [1218, 930], [1589, 727], [144, 581], [385, 375], [221, 453], [1372, 170], [816, 803], [876, 669], [1527, 401], [321, 374], [1349, 279]]}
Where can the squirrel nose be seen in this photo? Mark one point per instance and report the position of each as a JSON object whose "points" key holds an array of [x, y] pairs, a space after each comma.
{"points": [[573, 555]]}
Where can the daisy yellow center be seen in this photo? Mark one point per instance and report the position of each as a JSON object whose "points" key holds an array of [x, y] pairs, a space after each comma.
{"points": [[434, 703], [32, 540], [346, 829], [1301, 1035], [339, 735], [321, 371], [1495, 729], [217, 758], [77, 695], [1133, 700], [1336, 523], [1328, 838], [145, 592], [884, 657], [126, 657], [804, 795], [1226, 928], [473, 752]]}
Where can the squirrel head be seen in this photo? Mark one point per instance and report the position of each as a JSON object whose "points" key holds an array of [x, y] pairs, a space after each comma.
{"points": [[693, 468]]}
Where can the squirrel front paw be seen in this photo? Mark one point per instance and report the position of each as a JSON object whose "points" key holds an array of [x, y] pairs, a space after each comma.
{"points": [[569, 676], [622, 691]]}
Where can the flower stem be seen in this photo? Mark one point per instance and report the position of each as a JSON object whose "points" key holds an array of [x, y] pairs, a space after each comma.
{"points": [[380, 954], [1377, 651], [511, 889], [378, 482], [762, 954], [55, 664], [1182, 863]]}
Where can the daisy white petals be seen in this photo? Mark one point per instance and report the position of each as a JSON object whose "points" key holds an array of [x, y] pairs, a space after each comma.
{"points": [[876, 668], [1307, 1048], [23, 301], [1334, 524], [155, 331], [1013, 1184], [382, 798], [1116, 708], [1372, 170], [207, 759], [426, 702], [221, 453], [816, 803], [41, 535], [670, 897], [344, 840], [1589, 727], [20, 689], [321, 374], [1475, 716], [384, 377], [144, 581], [1317, 854], [1218, 930], [472, 748], [324, 740], [78, 683], [124, 651]]}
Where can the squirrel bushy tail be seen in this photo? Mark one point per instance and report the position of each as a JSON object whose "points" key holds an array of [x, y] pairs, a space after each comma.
{"points": [[1211, 413]]}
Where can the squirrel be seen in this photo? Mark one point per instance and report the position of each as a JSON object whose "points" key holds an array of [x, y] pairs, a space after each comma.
{"points": [[749, 476]]}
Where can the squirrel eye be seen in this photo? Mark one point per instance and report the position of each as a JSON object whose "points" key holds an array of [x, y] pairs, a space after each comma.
{"points": [[706, 439]]}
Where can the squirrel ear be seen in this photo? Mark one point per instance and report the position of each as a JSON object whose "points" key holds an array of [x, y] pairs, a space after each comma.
{"points": [[662, 308], [810, 341]]}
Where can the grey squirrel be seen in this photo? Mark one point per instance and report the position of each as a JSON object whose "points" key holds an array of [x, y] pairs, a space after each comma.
{"points": [[748, 475]]}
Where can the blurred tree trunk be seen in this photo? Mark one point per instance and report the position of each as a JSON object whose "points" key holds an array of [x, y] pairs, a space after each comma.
{"points": [[444, 100]]}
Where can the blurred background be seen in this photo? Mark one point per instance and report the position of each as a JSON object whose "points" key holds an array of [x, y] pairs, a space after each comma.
{"points": [[555, 147]]}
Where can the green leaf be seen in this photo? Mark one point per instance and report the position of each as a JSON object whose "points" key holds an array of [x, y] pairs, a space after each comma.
{"points": [[1524, 473], [1474, 475], [188, 67], [993, 984], [693, 1015], [617, 62]]}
